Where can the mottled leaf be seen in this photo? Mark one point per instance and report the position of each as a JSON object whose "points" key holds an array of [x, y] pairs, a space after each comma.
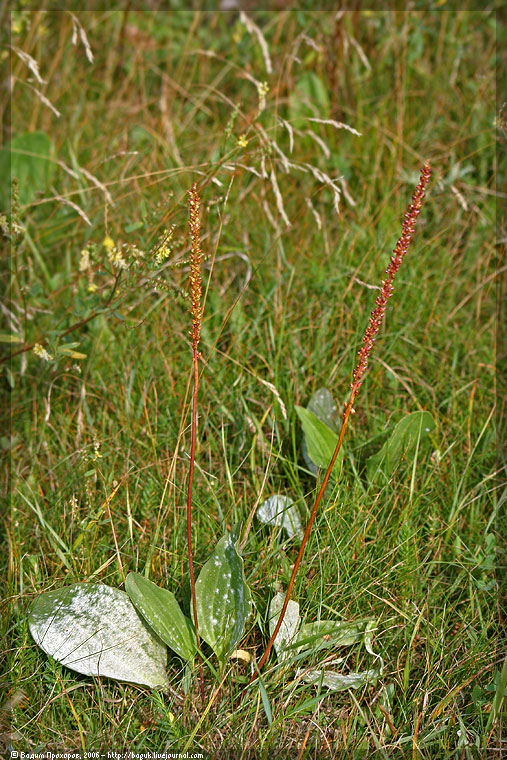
{"points": [[223, 599], [333, 681], [288, 629], [344, 635], [323, 405], [327, 634], [161, 611], [281, 511], [95, 630]]}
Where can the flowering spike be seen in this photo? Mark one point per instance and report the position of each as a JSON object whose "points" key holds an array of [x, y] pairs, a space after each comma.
{"points": [[195, 263], [194, 223], [377, 315], [387, 290]]}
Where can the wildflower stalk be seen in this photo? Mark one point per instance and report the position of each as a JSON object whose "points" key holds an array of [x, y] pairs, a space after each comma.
{"points": [[376, 319], [194, 202]]}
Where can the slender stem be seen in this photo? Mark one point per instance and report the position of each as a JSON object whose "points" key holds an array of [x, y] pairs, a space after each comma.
{"points": [[195, 360], [196, 311], [348, 411], [376, 319]]}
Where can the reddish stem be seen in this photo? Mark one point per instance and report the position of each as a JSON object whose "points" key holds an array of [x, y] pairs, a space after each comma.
{"points": [[348, 411], [376, 319], [195, 359], [196, 310]]}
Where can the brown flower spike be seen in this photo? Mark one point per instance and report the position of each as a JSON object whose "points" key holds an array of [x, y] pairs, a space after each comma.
{"points": [[387, 290], [377, 316], [194, 223]]}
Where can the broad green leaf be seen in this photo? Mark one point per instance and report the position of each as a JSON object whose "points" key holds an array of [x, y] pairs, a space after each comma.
{"points": [[223, 599], [95, 630], [29, 157], [289, 627], [327, 634], [281, 511], [404, 439], [161, 611], [133, 227], [323, 405], [320, 440], [333, 681]]}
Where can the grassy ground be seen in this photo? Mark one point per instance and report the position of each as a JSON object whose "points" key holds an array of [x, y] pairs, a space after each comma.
{"points": [[163, 104]]}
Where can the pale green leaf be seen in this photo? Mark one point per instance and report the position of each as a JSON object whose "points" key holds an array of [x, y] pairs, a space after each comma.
{"points": [[323, 405], [288, 629], [329, 679], [281, 511], [95, 630], [309, 97], [327, 634]]}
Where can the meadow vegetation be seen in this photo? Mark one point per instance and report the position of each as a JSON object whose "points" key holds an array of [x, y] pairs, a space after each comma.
{"points": [[305, 132]]}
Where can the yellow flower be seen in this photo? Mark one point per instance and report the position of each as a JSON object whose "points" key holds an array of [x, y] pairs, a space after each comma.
{"points": [[163, 249], [242, 141], [108, 243]]}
